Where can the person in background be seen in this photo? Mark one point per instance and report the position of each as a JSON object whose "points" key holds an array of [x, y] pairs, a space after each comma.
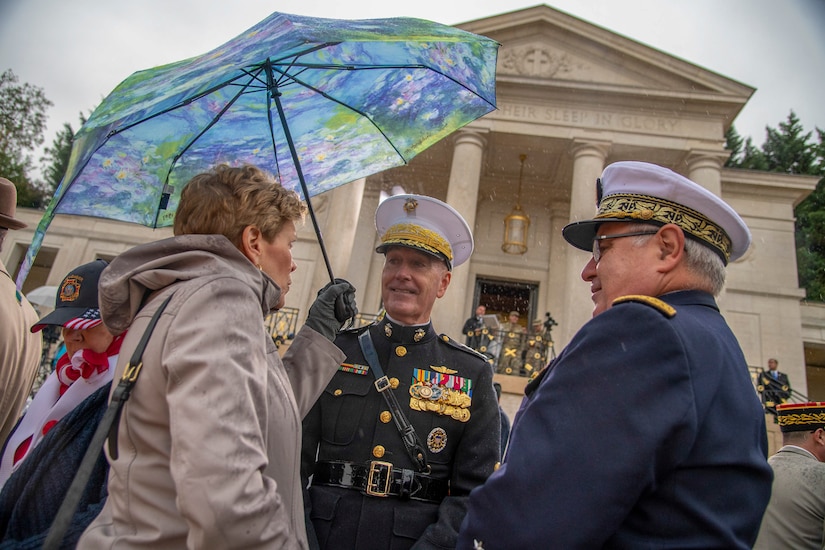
{"points": [[775, 387], [511, 360], [796, 512], [45, 450], [207, 451], [370, 490], [645, 431], [20, 350], [473, 327]]}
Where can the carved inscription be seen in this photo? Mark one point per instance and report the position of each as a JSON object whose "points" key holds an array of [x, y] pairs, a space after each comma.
{"points": [[586, 118]]}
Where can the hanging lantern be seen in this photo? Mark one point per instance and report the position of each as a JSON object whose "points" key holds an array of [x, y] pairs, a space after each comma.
{"points": [[517, 222]]}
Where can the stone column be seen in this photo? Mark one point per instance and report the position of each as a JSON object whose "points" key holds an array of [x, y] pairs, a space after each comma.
{"points": [[705, 168], [361, 274], [557, 270], [343, 205], [462, 194], [588, 163]]}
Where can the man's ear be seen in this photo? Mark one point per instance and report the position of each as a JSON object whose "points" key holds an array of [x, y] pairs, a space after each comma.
{"points": [[251, 243], [671, 240], [444, 283]]}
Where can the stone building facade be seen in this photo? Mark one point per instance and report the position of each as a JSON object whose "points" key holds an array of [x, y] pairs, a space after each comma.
{"points": [[573, 98]]}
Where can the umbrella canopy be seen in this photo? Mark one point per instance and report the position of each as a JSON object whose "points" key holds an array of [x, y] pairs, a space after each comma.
{"points": [[317, 102]]}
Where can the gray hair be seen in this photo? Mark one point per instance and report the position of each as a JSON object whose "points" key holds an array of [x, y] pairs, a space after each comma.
{"points": [[700, 260]]}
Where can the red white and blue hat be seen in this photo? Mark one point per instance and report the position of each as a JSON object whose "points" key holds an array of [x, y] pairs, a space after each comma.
{"points": [[425, 224], [76, 306], [641, 192]]}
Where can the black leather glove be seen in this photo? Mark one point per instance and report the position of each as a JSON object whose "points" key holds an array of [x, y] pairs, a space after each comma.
{"points": [[333, 307]]}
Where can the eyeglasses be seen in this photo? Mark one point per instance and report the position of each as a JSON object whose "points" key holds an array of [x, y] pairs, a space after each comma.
{"points": [[597, 251]]}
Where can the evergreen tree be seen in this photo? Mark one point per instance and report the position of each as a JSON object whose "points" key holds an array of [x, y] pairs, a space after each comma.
{"points": [[788, 149], [810, 223], [733, 143]]}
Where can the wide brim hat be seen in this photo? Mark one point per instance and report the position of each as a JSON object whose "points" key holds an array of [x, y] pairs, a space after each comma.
{"points": [[8, 206], [76, 305], [426, 224], [800, 417], [641, 192]]}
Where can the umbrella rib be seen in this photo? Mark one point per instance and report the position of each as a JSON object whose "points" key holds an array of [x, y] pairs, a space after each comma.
{"points": [[341, 103], [165, 193], [353, 67]]}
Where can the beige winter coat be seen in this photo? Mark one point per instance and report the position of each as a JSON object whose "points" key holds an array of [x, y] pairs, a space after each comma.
{"points": [[209, 442]]}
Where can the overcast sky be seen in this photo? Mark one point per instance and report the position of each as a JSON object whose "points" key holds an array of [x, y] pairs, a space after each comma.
{"points": [[79, 50]]}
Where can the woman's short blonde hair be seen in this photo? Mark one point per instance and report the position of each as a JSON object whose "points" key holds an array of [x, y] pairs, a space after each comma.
{"points": [[225, 200]]}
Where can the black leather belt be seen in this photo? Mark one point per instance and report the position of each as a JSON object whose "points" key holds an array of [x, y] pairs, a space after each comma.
{"points": [[380, 479]]}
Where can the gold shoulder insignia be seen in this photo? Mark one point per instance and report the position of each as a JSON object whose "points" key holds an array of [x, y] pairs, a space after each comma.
{"points": [[443, 370], [664, 308]]}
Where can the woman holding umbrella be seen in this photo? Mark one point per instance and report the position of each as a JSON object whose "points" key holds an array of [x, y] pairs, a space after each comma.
{"points": [[207, 448]]}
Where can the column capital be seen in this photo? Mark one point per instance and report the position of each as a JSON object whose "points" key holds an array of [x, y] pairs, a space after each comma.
{"points": [[707, 158], [474, 136], [580, 147]]}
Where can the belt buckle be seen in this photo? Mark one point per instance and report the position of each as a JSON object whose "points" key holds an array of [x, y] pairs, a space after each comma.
{"points": [[374, 484]]}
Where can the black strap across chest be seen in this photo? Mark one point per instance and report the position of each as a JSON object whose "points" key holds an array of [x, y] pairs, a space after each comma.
{"points": [[411, 442]]}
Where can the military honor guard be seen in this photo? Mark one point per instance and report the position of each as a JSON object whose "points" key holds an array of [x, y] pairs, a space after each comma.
{"points": [[796, 512], [645, 431], [410, 424], [511, 360]]}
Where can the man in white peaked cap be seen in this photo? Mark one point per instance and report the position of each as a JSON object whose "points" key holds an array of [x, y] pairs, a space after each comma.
{"points": [[397, 441], [645, 431]]}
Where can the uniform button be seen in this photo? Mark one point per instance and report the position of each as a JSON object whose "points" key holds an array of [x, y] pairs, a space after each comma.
{"points": [[385, 417], [337, 392], [401, 351], [394, 383], [378, 451]]}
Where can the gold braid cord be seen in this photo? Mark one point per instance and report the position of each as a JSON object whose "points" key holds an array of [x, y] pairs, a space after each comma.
{"points": [[644, 208], [409, 234]]}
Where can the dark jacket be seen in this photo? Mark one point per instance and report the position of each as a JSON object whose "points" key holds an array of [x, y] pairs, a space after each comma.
{"points": [[347, 424], [645, 432], [33, 494]]}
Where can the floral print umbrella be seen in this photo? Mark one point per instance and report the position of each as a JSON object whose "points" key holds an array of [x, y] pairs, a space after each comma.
{"points": [[317, 102]]}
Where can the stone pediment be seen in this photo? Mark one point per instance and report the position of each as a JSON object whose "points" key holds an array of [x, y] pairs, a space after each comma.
{"points": [[549, 47]]}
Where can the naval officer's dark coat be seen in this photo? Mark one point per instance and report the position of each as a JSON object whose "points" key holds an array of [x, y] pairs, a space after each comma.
{"points": [[645, 432], [347, 424]]}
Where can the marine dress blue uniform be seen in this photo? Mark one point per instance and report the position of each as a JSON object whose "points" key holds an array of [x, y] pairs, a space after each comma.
{"points": [[661, 436], [351, 429], [368, 490]]}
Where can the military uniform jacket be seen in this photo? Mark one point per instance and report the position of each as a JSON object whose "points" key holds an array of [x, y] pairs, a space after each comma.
{"points": [[645, 432], [796, 512], [351, 422]]}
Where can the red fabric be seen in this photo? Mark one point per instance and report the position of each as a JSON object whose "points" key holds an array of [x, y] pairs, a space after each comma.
{"points": [[93, 363]]}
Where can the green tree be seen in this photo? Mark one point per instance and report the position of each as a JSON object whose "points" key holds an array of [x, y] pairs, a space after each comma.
{"points": [[810, 227], [22, 124], [734, 144], [789, 149]]}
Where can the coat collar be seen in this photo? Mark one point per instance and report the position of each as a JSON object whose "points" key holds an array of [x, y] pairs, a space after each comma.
{"points": [[388, 330]]}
